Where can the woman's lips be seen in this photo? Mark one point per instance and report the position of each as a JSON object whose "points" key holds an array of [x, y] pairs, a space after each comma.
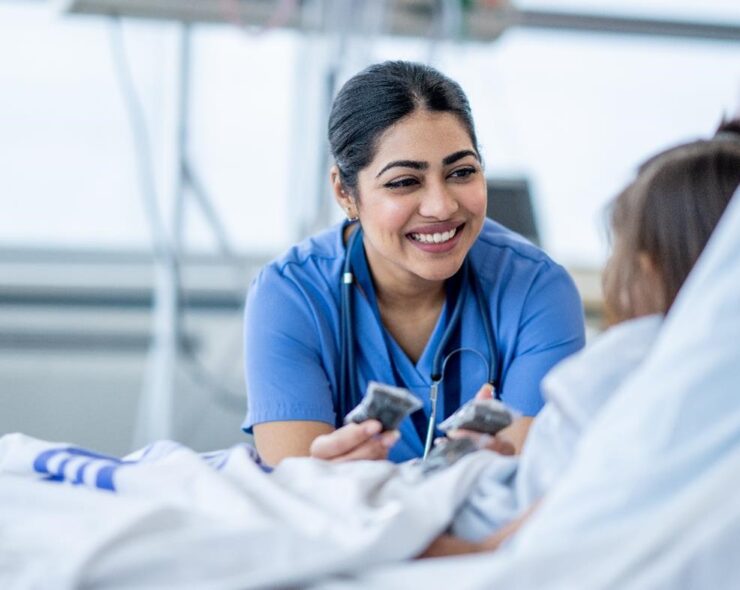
{"points": [[438, 241]]}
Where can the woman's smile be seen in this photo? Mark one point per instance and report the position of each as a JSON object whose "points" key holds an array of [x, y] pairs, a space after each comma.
{"points": [[437, 240]]}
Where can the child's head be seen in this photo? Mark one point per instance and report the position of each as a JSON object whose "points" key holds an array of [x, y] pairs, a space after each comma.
{"points": [[663, 219]]}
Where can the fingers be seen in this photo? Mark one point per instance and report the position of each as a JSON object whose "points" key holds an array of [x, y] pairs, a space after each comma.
{"points": [[498, 443], [344, 440], [485, 392], [501, 445], [374, 449], [462, 433]]}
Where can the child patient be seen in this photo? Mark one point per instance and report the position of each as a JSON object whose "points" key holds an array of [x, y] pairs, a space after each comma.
{"points": [[660, 225]]}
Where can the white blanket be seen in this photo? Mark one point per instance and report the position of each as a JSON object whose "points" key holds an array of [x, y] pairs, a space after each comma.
{"points": [[168, 517], [282, 514], [651, 498]]}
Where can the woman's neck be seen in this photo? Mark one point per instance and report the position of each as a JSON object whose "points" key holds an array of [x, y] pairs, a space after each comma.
{"points": [[409, 296], [409, 305], [410, 313]]}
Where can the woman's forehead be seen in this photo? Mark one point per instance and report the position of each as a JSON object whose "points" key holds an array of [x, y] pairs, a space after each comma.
{"points": [[422, 136]]}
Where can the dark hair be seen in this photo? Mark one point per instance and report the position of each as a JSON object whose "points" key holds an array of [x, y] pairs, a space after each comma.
{"points": [[380, 96], [668, 214]]}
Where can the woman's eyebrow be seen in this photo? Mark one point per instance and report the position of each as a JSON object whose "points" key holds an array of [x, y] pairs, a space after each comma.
{"points": [[416, 165], [458, 156]]}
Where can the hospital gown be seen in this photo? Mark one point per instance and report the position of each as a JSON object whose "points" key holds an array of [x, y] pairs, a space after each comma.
{"points": [[575, 391]]}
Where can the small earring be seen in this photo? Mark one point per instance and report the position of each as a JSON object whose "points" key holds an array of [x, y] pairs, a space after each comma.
{"points": [[351, 217]]}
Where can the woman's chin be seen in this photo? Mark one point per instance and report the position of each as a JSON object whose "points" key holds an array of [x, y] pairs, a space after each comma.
{"points": [[440, 271]]}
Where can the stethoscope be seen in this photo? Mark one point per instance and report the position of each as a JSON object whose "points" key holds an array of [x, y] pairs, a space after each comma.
{"points": [[348, 395]]}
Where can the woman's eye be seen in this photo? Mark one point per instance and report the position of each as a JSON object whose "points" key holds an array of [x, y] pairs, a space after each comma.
{"points": [[401, 183], [462, 173]]}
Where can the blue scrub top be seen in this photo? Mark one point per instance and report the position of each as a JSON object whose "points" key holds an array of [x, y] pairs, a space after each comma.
{"points": [[292, 332]]}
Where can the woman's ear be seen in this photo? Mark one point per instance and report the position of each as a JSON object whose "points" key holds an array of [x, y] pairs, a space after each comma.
{"points": [[345, 200]]}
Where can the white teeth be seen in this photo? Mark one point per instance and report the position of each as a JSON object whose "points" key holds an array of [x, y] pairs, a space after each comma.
{"points": [[436, 238]]}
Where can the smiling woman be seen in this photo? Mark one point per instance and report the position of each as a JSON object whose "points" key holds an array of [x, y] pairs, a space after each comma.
{"points": [[416, 274]]}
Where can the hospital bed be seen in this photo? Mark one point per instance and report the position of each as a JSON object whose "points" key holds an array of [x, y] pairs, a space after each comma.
{"points": [[649, 501]]}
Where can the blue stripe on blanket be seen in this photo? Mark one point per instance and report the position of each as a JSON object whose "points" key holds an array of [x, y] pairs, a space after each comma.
{"points": [[106, 464], [64, 464]]}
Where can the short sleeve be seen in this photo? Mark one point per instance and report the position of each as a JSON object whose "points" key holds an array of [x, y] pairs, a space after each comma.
{"points": [[551, 328], [284, 373]]}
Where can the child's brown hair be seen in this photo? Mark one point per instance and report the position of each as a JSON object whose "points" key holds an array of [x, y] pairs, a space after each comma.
{"points": [[664, 218]]}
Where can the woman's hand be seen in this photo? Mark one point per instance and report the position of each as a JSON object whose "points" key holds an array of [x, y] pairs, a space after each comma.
{"points": [[509, 440], [354, 442], [502, 442]]}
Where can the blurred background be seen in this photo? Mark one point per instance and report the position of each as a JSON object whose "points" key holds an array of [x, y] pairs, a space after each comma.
{"points": [[154, 153]]}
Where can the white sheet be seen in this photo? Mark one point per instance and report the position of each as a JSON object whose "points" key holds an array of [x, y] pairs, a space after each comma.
{"points": [[651, 499], [177, 519]]}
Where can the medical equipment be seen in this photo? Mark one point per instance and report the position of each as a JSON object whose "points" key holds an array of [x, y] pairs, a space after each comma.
{"points": [[348, 397], [480, 415], [385, 403]]}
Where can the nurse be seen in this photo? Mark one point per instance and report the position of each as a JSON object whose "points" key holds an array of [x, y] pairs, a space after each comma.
{"points": [[409, 176]]}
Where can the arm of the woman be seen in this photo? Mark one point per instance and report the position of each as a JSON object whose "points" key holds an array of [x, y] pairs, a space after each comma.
{"points": [[278, 440], [551, 328], [289, 401], [290, 408]]}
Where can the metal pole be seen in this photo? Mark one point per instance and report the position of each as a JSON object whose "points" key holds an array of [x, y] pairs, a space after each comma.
{"points": [[155, 419]]}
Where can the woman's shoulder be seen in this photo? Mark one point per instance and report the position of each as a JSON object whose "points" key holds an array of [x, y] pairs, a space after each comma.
{"points": [[314, 262], [325, 245], [318, 255], [514, 268]]}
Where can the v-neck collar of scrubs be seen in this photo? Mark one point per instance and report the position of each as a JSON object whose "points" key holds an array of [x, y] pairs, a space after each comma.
{"points": [[410, 374]]}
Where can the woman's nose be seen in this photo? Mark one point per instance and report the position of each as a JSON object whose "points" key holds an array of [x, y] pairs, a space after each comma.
{"points": [[438, 202]]}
